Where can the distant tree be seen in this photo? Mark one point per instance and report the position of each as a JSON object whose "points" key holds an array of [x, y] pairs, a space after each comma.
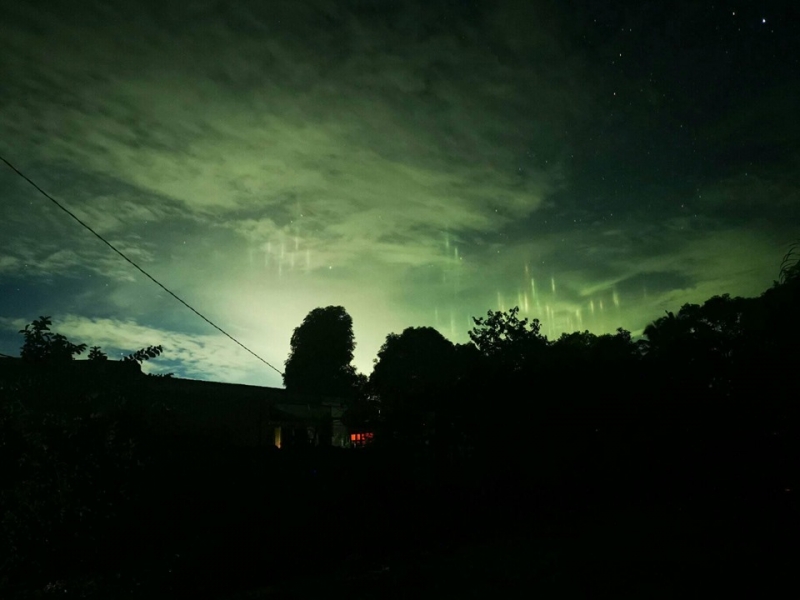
{"points": [[705, 349], [618, 347], [96, 354], [713, 330], [507, 340], [42, 346], [321, 355], [577, 345], [413, 369], [603, 359]]}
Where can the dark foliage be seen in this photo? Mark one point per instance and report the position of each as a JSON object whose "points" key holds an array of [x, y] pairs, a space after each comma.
{"points": [[511, 343], [45, 347], [321, 355], [511, 440], [144, 354], [95, 353], [413, 369], [414, 377]]}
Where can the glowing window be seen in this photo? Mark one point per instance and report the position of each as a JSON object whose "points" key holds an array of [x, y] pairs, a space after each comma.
{"points": [[360, 439]]}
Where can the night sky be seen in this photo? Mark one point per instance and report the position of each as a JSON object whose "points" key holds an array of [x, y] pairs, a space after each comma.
{"points": [[418, 163]]}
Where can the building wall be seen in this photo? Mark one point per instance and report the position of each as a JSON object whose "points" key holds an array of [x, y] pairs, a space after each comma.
{"points": [[250, 415], [241, 414]]}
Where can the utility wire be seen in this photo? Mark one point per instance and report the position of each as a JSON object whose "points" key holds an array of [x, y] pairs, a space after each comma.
{"points": [[145, 273]]}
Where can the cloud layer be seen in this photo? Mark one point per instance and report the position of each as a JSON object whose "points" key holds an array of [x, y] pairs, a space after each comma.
{"points": [[417, 164]]}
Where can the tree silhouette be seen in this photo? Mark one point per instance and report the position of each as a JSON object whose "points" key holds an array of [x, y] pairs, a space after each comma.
{"points": [[144, 354], [418, 377], [790, 265], [95, 353], [321, 354], [705, 339], [75, 438], [509, 342], [413, 369], [575, 347], [42, 346]]}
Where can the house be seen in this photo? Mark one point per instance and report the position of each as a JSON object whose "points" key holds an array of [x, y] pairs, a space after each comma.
{"points": [[249, 415], [246, 415]]}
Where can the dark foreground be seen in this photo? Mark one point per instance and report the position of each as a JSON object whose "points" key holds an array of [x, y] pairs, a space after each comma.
{"points": [[204, 521]]}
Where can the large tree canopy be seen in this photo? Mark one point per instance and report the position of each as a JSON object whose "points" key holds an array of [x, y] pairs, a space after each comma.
{"points": [[413, 368], [321, 353]]}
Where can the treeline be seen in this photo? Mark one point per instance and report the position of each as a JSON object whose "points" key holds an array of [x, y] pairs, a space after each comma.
{"points": [[729, 358], [509, 431], [706, 398]]}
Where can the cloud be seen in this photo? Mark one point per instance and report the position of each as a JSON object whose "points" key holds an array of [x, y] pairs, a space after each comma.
{"points": [[415, 164], [218, 136], [210, 356]]}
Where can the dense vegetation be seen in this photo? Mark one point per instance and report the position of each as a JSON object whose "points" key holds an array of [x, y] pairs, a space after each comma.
{"points": [[511, 435]]}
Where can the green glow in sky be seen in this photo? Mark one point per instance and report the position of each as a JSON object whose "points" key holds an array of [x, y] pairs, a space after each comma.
{"points": [[417, 164]]}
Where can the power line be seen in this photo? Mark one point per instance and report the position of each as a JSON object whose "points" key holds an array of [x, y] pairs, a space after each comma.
{"points": [[145, 273]]}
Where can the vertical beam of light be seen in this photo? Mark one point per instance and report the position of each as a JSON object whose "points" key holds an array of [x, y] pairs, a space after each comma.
{"points": [[553, 285], [549, 312], [500, 303], [615, 298], [579, 316], [533, 288], [591, 306]]}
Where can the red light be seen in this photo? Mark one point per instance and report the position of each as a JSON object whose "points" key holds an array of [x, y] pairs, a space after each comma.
{"points": [[360, 439]]}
